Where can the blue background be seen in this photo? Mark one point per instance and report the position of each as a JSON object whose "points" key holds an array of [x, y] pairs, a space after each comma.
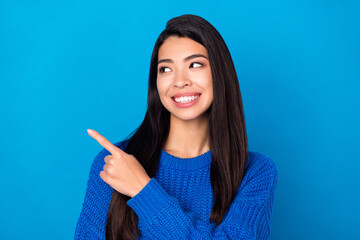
{"points": [[66, 66]]}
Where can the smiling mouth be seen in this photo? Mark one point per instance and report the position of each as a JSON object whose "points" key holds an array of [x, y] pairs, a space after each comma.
{"points": [[186, 99]]}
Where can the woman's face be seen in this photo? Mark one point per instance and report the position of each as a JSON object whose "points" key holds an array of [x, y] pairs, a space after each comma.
{"points": [[184, 80]]}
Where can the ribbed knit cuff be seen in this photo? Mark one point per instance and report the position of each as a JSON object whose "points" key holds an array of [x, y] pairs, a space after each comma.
{"points": [[149, 200]]}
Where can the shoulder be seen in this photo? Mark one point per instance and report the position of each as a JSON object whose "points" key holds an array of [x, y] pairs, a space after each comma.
{"points": [[258, 161], [122, 144], [260, 176]]}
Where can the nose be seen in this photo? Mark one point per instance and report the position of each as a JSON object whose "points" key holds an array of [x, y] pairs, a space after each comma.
{"points": [[181, 80]]}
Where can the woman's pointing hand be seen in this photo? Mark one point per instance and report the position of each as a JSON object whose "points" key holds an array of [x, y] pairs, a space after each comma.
{"points": [[122, 171]]}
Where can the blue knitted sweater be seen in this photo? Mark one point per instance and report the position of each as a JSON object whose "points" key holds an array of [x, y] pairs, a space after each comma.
{"points": [[177, 203]]}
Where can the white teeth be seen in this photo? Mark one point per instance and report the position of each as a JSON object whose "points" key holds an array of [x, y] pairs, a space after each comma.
{"points": [[186, 99]]}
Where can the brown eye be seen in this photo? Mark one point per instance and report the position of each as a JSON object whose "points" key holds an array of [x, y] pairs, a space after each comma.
{"points": [[164, 69], [196, 65]]}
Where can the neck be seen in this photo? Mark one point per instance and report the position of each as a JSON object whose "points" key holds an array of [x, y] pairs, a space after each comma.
{"points": [[188, 138]]}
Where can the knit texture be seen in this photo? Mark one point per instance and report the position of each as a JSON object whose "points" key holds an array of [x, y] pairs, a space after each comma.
{"points": [[177, 203]]}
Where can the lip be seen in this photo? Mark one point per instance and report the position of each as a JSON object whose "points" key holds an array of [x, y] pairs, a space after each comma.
{"points": [[188, 104]]}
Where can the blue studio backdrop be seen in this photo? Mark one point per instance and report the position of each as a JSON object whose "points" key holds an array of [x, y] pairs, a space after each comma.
{"points": [[66, 66]]}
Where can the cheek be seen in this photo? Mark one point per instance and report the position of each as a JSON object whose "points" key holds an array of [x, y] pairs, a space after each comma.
{"points": [[207, 82], [161, 87], [211, 92], [209, 85]]}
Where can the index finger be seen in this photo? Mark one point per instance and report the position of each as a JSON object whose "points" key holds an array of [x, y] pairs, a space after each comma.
{"points": [[104, 142]]}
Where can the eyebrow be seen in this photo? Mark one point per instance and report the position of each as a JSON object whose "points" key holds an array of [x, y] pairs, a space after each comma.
{"points": [[186, 59]]}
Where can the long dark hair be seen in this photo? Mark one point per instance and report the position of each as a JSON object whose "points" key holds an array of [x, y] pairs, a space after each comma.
{"points": [[228, 139]]}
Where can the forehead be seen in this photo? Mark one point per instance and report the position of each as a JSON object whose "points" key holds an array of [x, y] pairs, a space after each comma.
{"points": [[180, 47]]}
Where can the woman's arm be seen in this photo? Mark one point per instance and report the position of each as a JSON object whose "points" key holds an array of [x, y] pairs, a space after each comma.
{"points": [[92, 220], [249, 216]]}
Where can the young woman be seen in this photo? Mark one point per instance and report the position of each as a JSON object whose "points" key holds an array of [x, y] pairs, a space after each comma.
{"points": [[186, 172]]}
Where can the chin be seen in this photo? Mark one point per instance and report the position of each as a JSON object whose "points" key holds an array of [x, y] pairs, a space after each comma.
{"points": [[187, 117]]}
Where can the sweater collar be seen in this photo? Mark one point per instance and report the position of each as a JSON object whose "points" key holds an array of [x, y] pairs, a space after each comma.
{"points": [[193, 163]]}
